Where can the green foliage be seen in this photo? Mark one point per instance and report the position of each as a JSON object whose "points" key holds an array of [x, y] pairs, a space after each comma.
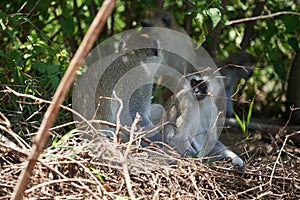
{"points": [[57, 143], [244, 123], [206, 15], [98, 174], [215, 15]]}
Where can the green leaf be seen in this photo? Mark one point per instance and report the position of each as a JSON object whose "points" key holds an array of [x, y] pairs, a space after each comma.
{"points": [[240, 122], [270, 30], [235, 137], [53, 69], [64, 138], [98, 174], [41, 67], [54, 82], [250, 111], [67, 26], [280, 70], [293, 42], [54, 142], [291, 23], [215, 15], [45, 5], [201, 39]]}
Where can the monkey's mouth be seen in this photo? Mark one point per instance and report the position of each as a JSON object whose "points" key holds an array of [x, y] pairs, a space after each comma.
{"points": [[200, 94]]}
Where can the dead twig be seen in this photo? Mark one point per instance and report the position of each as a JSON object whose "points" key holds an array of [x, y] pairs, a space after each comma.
{"points": [[125, 161], [279, 156], [59, 181], [118, 122], [6, 128], [261, 17]]}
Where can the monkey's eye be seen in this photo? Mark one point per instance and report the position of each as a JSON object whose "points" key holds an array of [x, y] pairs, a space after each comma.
{"points": [[194, 83], [166, 20]]}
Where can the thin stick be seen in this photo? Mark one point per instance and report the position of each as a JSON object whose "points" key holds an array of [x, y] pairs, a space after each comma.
{"points": [[6, 128], [261, 17], [125, 161], [60, 94], [118, 122], [279, 156]]}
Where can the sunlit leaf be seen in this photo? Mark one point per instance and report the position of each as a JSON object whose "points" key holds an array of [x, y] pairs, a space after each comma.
{"points": [[215, 15], [67, 25]]}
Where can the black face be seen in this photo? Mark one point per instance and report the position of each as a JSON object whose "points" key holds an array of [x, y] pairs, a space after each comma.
{"points": [[146, 23], [166, 20], [200, 88]]}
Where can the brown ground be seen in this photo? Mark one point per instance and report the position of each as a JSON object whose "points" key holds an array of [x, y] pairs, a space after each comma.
{"points": [[97, 170]]}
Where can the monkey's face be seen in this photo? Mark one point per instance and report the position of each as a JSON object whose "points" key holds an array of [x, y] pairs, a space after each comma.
{"points": [[135, 45], [158, 18], [200, 87], [240, 64]]}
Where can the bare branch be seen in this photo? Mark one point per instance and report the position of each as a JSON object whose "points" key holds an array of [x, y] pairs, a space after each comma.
{"points": [[118, 122], [125, 161], [261, 17]]}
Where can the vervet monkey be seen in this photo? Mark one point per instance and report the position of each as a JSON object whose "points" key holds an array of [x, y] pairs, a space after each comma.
{"points": [[198, 59], [125, 72], [186, 137], [195, 135], [239, 65], [230, 72]]}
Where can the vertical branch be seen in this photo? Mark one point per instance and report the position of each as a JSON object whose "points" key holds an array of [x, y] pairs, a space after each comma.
{"points": [[250, 25], [125, 158], [92, 8], [78, 19], [293, 91], [60, 94], [215, 33], [129, 7], [188, 20]]}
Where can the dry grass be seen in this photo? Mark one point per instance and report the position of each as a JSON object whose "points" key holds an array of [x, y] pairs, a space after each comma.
{"points": [[94, 169]]}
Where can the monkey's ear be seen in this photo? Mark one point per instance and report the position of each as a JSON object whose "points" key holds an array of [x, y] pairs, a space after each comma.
{"points": [[166, 20]]}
